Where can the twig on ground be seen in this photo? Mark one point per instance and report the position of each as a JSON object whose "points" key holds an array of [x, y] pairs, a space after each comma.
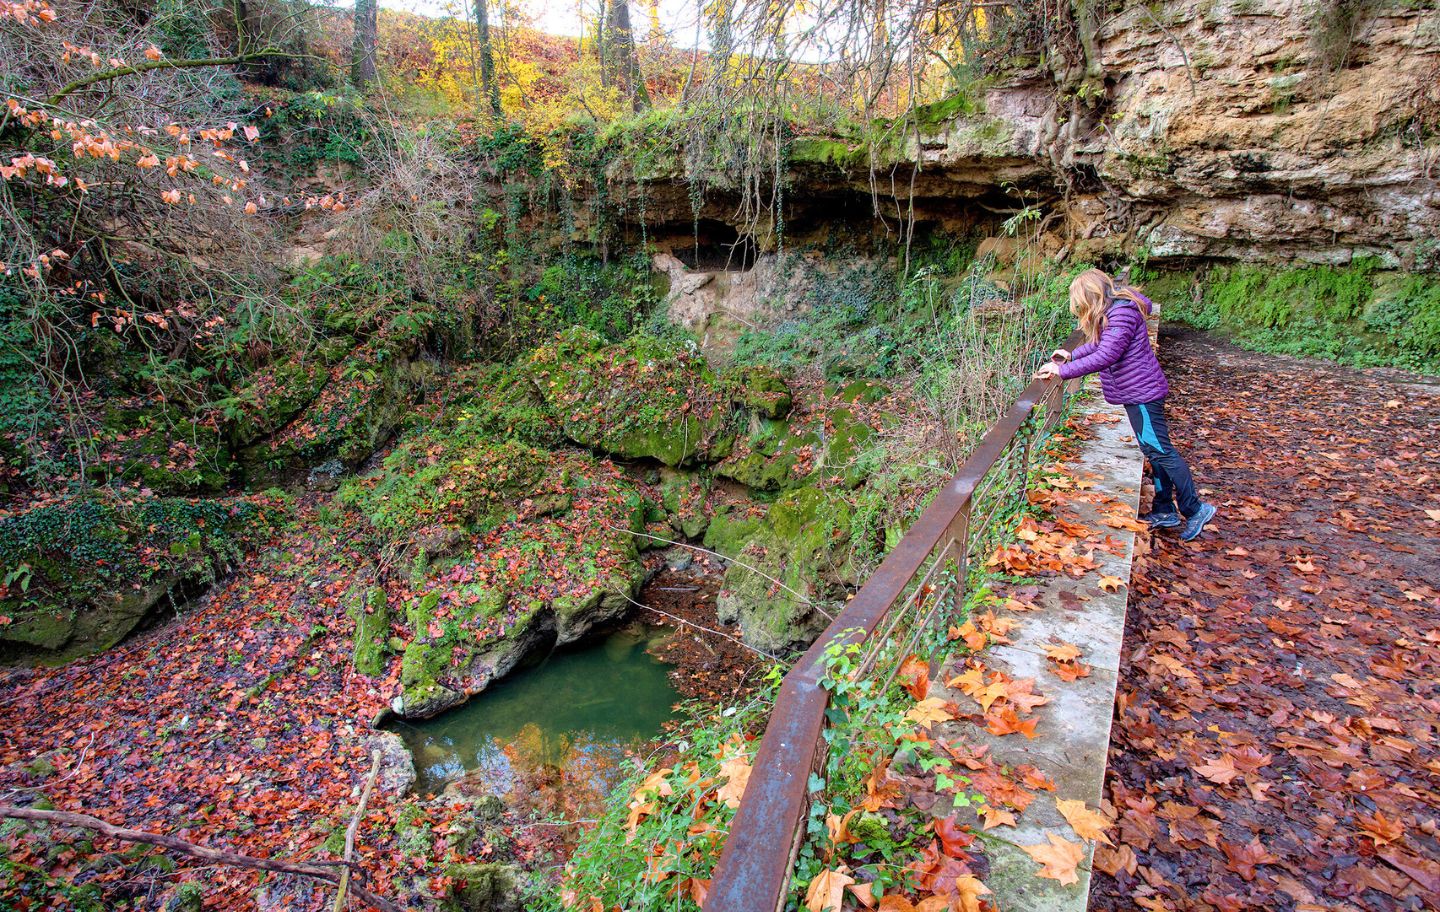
{"points": [[343, 893], [181, 846]]}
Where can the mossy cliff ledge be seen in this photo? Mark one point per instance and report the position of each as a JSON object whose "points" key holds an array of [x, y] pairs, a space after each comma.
{"points": [[1260, 130]]}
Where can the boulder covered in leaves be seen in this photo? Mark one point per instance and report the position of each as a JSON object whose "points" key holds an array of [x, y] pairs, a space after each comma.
{"points": [[504, 550], [83, 572], [362, 402], [644, 398]]}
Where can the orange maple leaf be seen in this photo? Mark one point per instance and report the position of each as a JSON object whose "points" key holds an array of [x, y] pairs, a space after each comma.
{"points": [[1058, 859], [1086, 823]]}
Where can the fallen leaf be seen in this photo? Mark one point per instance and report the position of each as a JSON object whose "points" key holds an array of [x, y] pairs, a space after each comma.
{"points": [[1064, 652], [1086, 823], [968, 890], [1219, 771], [864, 894], [929, 711], [1111, 583], [914, 676], [737, 772], [827, 890], [1381, 828], [1243, 859], [1058, 859], [993, 817]]}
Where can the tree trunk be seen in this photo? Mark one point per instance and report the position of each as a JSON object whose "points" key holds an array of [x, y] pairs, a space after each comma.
{"points": [[488, 84], [619, 67], [722, 44], [362, 53]]}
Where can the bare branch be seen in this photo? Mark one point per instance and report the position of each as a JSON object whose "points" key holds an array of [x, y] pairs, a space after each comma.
{"points": [[217, 856]]}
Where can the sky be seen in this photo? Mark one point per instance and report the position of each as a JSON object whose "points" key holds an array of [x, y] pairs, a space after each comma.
{"points": [[563, 17]]}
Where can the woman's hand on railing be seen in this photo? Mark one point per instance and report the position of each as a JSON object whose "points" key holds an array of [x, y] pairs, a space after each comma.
{"points": [[1060, 355], [1048, 371]]}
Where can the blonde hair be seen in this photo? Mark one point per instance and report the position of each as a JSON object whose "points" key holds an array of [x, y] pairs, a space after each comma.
{"points": [[1090, 296]]}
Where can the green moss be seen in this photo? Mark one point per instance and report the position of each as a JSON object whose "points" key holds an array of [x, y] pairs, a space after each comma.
{"points": [[83, 571], [420, 672], [682, 496], [643, 398], [454, 476], [360, 406], [939, 113], [162, 449], [769, 458], [372, 631], [863, 391], [1356, 314], [504, 403], [274, 395], [814, 150], [482, 888], [804, 545], [848, 439], [729, 530], [761, 390], [412, 832]]}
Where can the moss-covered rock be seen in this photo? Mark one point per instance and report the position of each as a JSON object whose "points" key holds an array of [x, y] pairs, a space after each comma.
{"points": [[845, 446], [761, 390], [482, 888], [773, 457], [274, 395], [682, 495], [500, 566], [83, 572], [730, 529], [781, 455], [502, 400], [796, 559], [162, 449], [863, 391], [644, 398], [371, 614], [452, 477], [364, 400]]}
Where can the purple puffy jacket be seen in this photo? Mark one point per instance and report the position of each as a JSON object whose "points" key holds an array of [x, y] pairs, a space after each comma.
{"points": [[1129, 371]]}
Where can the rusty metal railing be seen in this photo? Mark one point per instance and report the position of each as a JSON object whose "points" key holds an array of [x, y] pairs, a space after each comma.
{"points": [[753, 874]]}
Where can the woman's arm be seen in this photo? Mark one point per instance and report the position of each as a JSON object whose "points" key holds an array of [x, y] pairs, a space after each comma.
{"points": [[1111, 345]]}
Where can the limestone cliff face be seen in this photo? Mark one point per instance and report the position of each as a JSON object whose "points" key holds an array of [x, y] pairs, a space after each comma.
{"points": [[1275, 130], [1248, 129]]}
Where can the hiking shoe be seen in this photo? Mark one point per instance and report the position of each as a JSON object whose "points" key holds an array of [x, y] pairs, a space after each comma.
{"points": [[1196, 524], [1164, 520]]}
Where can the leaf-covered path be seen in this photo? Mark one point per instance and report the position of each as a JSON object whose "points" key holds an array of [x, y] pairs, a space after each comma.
{"points": [[1276, 745]]}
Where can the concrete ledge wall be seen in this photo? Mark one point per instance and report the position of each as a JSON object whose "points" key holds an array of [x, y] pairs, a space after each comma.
{"points": [[1073, 734]]}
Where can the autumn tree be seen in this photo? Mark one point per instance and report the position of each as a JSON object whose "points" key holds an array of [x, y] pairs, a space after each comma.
{"points": [[362, 55], [128, 194]]}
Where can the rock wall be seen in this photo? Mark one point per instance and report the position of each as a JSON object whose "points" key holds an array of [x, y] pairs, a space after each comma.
{"points": [[1258, 130]]}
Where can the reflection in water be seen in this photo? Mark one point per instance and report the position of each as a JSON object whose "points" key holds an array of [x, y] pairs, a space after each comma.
{"points": [[566, 724]]}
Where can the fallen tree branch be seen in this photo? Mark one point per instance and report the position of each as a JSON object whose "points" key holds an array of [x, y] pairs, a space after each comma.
{"points": [[344, 892], [181, 846], [134, 69]]}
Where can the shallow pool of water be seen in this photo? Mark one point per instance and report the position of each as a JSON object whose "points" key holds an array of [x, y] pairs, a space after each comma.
{"points": [[580, 711]]}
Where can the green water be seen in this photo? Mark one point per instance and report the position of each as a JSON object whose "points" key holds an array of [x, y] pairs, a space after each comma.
{"points": [[583, 710]]}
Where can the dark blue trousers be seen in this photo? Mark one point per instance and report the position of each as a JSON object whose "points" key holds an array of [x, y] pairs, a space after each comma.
{"points": [[1173, 483]]}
